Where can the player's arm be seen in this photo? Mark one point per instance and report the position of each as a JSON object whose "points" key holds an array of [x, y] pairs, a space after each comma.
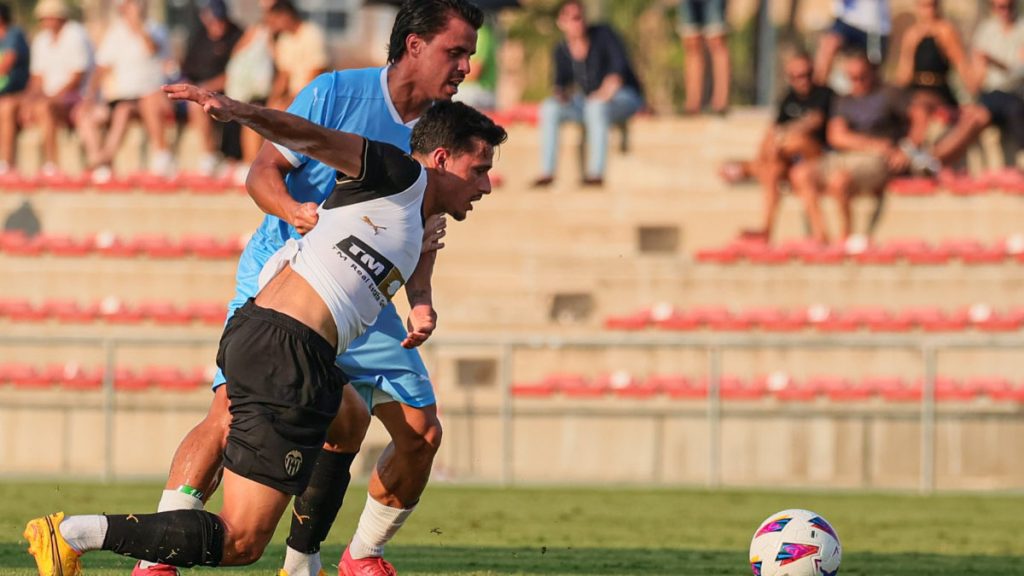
{"points": [[266, 186], [422, 319], [340, 150]]}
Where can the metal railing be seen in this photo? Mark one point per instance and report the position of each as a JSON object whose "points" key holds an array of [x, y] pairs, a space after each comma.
{"points": [[713, 345]]}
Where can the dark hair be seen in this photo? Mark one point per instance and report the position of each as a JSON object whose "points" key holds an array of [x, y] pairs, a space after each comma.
{"points": [[5, 13], [454, 126], [561, 5], [285, 7], [426, 18]]}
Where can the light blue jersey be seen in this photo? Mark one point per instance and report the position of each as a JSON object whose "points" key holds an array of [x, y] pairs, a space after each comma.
{"points": [[355, 101]]}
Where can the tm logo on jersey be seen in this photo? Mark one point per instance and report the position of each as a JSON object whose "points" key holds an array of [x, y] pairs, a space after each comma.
{"points": [[378, 270]]}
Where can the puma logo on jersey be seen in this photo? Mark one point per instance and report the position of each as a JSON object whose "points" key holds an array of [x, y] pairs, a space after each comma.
{"points": [[376, 229]]}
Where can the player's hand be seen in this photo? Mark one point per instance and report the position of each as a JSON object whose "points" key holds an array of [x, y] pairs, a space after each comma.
{"points": [[421, 323], [304, 217], [218, 106], [434, 230]]}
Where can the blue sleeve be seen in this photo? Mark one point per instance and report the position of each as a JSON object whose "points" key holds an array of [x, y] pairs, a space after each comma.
{"points": [[314, 103]]}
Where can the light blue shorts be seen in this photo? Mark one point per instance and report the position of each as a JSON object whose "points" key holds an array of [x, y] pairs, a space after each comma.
{"points": [[376, 364]]}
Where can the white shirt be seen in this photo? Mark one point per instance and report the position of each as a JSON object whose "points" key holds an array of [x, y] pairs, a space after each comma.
{"points": [[134, 71], [1005, 45], [57, 58], [871, 16], [366, 243]]}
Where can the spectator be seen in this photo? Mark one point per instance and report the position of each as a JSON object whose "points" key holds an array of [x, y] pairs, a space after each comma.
{"points": [[594, 84], [930, 49], [300, 52], [797, 136], [998, 59], [250, 77], [205, 63], [479, 89], [860, 26], [864, 130], [14, 74], [130, 68], [700, 21]]}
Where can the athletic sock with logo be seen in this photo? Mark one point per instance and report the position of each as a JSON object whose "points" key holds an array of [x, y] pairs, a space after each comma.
{"points": [[377, 526]]}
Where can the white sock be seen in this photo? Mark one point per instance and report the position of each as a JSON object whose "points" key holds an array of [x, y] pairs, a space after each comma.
{"points": [[84, 533], [300, 564], [377, 525], [174, 500]]}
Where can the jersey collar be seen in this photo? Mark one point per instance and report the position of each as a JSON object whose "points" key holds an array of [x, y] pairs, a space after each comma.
{"points": [[391, 105]]}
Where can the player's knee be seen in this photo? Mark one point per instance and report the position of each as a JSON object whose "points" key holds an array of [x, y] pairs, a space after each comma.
{"points": [[423, 440], [244, 546]]}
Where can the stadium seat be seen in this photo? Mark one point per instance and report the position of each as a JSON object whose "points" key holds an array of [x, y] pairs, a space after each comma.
{"points": [[678, 387], [72, 376], [24, 311], [70, 311], [532, 390], [824, 255], [171, 378], [785, 388], [912, 186], [678, 320], [19, 244], [128, 380], [26, 377], [950, 390], [209, 248], [64, 245], [165, 313], [212, 313], [878, 255], [894, 389], [726, 255], [839, 389], [576, 385], [636, 321], [114, 311], [108, 244], [734, 388], [156, 246]]}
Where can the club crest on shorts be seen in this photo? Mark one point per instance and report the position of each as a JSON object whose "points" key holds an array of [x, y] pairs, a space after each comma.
{"points": [[292, 462]]}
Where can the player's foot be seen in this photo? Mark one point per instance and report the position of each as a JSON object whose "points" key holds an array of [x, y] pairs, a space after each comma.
{"points": [[54, 556], [154, 570], [284, 572], [370, 566]]}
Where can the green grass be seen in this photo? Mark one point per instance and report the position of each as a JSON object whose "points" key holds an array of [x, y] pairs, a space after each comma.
{"points": [[601, 532]]}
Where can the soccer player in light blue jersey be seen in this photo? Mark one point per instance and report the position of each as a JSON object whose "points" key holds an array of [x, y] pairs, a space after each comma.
{"points": [[428, 56]]}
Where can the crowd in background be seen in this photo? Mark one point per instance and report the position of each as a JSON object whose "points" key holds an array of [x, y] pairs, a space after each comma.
{"points": [[63, 78], [919, 122]]}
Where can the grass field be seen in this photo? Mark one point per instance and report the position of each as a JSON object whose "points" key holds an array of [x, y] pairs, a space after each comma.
{"points": [[483, 531]]}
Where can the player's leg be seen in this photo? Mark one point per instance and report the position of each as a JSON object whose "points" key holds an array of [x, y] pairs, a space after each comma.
{"points": [[315, 510]]}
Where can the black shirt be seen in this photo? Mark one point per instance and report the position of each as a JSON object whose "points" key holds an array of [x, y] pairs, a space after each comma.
{"points": [[794, 107], [607, 55], [207, 58]]}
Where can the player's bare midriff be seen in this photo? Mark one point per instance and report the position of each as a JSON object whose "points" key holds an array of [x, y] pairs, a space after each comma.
{"points": [[290, 294]]}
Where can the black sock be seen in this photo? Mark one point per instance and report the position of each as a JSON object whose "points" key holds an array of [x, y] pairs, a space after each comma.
{"points": [[183, 538], [318, 505]]}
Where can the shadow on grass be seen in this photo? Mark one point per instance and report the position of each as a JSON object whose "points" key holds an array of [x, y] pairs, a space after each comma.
{"points": [[465, 560]]}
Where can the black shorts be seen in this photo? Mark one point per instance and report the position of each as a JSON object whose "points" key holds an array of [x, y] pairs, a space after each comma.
{"points": [[284, 389]]}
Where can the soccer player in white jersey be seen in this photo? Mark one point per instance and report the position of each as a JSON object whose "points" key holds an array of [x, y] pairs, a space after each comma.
{"points": [[428, 56], [318, 294]]}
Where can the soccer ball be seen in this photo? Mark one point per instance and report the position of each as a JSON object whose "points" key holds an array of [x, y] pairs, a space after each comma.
{"points": [[795, 543]]}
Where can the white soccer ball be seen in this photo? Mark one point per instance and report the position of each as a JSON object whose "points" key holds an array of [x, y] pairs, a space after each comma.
{"points": [[795, 543]]}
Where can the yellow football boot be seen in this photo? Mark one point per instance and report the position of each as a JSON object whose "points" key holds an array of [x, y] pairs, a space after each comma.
{"points": [[54, 556]]}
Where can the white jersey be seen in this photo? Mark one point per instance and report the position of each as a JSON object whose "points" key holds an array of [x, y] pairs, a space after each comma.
{"points": [[366, 243], [871, 16]]}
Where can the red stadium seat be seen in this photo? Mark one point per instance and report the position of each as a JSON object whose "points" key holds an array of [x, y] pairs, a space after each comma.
{"points": [[576, 385], [117, 185], [734, 388], [912, 186], [72, 376], [114, 311], [678, 320], [950, 390], [787, 389], [108, 244], [825, 255], [171, 378], [24, 311], [64, 245], [209, 248], [127, 380], [725, 255], [679, 387], [213, 313], [532, 390], [19, 244], [27, 377], [636, 321], [879, 255], [895, 389], [839, 322], [839, 389], [71, 312], [164, 313], [156, 246]]}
